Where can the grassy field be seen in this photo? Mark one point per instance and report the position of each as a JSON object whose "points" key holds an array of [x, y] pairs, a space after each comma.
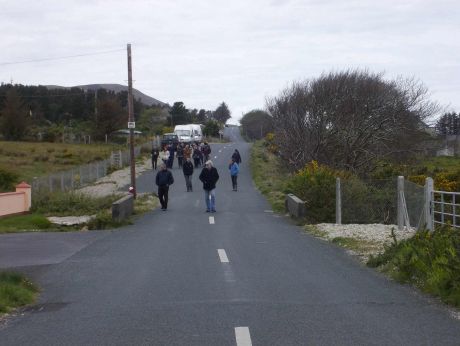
{"points": [[28, 160]]}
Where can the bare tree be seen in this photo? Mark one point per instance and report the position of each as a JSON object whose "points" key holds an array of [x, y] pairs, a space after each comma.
{"points": [[350, 119]]}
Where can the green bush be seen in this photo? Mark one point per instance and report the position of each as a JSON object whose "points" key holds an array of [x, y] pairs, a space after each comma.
{"points": [[7, 180], [429, 260]]}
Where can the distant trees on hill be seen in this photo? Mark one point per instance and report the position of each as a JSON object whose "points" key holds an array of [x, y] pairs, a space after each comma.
{"points": [[256, 124], [448, 124], [36, 112]]}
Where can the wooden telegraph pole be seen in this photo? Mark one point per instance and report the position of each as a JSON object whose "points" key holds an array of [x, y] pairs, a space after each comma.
{"points": [[131, 123]]}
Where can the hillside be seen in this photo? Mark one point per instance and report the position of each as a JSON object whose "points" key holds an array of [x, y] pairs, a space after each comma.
{"points": [[145, 99]]}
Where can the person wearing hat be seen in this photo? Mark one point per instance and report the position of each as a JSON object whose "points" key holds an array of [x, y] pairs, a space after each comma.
{"points": [[209, 177]]}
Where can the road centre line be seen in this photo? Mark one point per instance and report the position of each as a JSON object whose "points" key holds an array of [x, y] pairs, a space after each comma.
{"points": [[243, 337], [223, 256], [211, 220]]}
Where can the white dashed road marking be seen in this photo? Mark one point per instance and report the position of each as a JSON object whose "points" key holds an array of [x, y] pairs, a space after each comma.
{"points": [[215, 157], [223, 256], [211, 220], [243, 338], [220, 151]]}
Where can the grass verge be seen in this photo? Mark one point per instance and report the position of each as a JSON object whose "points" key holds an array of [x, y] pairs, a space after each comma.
{"points": [[21, 223], [269, 175], [15, 291]]}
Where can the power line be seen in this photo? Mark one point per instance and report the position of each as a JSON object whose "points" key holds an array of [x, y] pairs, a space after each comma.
{"points": [[59, 58]]}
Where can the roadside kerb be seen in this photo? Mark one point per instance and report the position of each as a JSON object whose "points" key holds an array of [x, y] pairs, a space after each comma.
{"points": [[295, 206]]}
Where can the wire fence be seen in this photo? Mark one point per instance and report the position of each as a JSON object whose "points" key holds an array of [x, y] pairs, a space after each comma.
{"points": [[85, 174], [376, 201], [415, 202]]}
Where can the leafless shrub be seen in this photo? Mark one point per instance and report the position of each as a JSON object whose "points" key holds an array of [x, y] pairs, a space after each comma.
{"points": [[350, 119]]}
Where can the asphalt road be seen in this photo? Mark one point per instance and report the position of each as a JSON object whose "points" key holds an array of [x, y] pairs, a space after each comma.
{"points": [[240, 276]]}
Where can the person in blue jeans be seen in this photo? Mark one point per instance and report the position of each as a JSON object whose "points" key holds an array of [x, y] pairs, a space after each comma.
{"points": [[234, 170], [209, 177]]}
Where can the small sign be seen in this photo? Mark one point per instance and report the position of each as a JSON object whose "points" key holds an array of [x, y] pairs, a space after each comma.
{"points": [[131, 125], [221, 132]]}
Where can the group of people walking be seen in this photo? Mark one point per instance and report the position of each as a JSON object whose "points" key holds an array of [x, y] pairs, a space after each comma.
{"points": [[208, 176]]}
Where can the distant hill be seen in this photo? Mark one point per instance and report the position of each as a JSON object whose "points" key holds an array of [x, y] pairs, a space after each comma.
{"points": [[145, 99]]}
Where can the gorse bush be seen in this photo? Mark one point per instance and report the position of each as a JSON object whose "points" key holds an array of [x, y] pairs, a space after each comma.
{"points": [[315, 184], [429, 260]]}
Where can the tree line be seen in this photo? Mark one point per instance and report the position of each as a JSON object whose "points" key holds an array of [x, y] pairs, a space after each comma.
{"points": [[38, 112]]}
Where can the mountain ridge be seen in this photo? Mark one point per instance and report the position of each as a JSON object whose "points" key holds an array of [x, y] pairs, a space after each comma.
{"points": [[146, 99]]}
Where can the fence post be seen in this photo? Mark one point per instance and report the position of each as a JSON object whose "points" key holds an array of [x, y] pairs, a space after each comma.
{"points": [[400, 190], [338, 202], [429, 218]]}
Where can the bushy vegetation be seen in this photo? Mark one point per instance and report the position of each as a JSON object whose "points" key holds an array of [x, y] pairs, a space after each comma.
{"points": [[15, 291], [7, 180], [429, 260], [70, 203]]}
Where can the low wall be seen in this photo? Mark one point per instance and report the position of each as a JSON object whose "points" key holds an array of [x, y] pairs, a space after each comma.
{"points": [[123, 208], [16, 202], [295, 206]]}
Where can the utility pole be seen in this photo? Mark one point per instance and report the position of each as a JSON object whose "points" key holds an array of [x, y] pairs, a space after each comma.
{"points": [[131, 121]]}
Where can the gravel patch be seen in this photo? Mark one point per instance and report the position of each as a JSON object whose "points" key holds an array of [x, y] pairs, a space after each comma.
{"points": [[368, 239], [376, 233], [112, 183]]}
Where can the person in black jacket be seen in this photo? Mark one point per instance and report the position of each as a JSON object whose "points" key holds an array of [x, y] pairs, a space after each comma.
{"points": [[236, 157], [187, 168], [163, 180], [155, 154], [209, 176]]}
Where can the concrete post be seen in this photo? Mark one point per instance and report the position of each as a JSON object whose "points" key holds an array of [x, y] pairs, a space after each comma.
{"points": [[429, 188], [338, 202], [26, 188], [400, 191]]}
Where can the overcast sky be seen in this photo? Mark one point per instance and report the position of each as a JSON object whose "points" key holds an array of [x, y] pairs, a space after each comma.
{"points": [[203, 52]]}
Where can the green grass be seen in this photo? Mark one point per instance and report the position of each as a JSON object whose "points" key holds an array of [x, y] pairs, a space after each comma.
{"points": [[269, 175], [70, 203], [18, 223], [440, 163], [29, 159], [15, 291]]}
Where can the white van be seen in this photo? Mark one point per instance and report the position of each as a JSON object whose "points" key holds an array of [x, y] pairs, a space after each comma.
{"points": [[184, 132], [197, 133], [190, 133]]}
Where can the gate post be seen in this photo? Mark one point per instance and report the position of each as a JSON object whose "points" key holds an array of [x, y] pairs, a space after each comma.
{"points": [[400, 203], [429, 206], [338, 202]]}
